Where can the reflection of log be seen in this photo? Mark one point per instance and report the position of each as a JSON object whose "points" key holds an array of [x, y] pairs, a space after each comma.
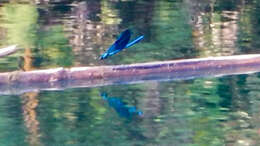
{"points": [[59, 78], [8, 50]]}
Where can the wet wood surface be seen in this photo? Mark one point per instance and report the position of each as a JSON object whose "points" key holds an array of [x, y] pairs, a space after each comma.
{"points": [[60, 78]]}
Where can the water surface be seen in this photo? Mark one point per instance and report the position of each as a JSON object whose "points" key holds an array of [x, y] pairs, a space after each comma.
{"points": [[198, 112]]}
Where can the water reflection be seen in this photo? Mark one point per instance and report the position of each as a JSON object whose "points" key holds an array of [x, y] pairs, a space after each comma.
{"points": [[121, 107], [212, 111], [214, 31], [76, 33], [30, 103], [43, 45]]}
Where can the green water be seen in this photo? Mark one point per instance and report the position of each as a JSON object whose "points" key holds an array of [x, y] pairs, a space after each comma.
{"points": [[198, 112]]}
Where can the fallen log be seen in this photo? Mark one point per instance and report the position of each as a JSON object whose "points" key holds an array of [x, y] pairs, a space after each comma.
{"points": [[8, 50], [60, 78]]}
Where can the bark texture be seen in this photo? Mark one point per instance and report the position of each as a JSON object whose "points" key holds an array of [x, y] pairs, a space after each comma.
{"points": [[60, 78]]}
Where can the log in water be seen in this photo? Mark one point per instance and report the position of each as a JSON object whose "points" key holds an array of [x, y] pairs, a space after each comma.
{"points": [[60, 78]]}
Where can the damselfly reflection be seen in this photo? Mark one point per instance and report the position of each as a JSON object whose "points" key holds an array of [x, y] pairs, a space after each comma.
{"points": [[122, 108]]}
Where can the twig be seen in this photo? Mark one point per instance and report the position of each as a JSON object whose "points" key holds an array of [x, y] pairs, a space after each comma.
{"points": [[8, 50]]}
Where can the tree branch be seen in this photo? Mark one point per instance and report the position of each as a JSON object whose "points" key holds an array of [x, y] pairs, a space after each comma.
{"points": [[8, 50]]}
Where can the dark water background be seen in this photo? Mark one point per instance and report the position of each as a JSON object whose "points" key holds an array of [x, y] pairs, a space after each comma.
{"points": [[199, 112]]}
